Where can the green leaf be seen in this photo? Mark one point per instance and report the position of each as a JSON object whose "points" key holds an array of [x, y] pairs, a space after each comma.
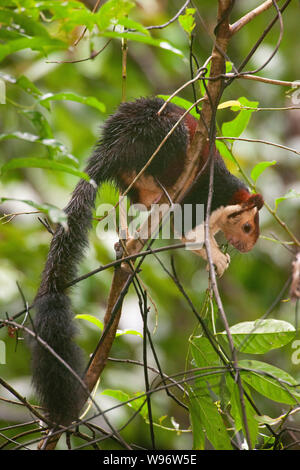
{"points": [[136, 404], [43, 44], [32, 162], [260, 168], [292, 194], [273, 383], [203, 353], [206, 417], [204, 356], [224, 151], [182, 103], [265, 419], [161, 43], [130, 24], [236, 410], [128, 332], [197, 428], [91, 319], [229, 104], [40, 122], [22, 23], [202, 87], [52, 143], [113, 10], [66, 96], [259, 337], [228, 66], [55, 214], [237, 126], [187, 21]]}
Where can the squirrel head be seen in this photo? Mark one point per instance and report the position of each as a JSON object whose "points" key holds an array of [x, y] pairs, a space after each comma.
{"points": [[240, 221]]}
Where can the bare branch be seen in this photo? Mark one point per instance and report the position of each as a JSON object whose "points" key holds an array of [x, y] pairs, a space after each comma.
{"points": [[239, 24]]}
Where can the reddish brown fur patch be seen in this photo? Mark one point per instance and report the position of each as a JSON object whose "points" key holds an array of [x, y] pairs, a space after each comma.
{"points": [[144, 191], [247, 200]]}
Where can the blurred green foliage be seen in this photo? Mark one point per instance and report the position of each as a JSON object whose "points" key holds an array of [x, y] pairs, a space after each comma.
{"points": [[53, 113]]}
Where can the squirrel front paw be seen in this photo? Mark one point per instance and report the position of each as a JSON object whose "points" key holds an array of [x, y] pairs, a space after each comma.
{"points": [[221, 262]]}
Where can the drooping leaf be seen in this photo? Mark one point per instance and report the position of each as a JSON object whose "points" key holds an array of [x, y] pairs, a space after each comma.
{"points": [[91, 319], [128, 332]]}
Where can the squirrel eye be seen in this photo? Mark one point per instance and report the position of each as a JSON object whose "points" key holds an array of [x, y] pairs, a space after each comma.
{"points": [[247, 227]]}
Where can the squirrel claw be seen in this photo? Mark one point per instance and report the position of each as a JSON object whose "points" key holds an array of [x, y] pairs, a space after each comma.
{"points": [[221, 262]]}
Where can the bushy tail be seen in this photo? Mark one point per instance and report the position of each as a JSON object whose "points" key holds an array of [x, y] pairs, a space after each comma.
{"points": [[58, 389]]}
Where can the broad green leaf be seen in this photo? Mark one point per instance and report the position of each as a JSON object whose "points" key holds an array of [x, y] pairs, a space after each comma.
{"points": [[66, 96], [187, 21], [260, 168], [236, 410], [55, 214], [206, 416], [236, 127], [270, 381], [290, 195], [161, 43], [91, 319], [32, 162], [197, 428], [203, 353], [260, 336], [205, 356], [182, 103]]}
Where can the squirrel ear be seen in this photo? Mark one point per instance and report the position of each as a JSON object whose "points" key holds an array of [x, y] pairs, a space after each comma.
{"points": [[255, 200]]}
